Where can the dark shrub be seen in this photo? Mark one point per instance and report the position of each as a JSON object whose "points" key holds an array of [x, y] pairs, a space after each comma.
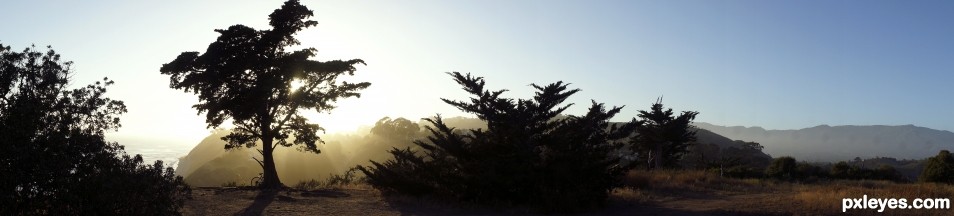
{"points": [[782, 168], [530, 154], [54, 159], [939, 168]]}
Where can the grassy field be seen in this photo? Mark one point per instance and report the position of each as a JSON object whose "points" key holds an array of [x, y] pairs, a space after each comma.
{"points": [[644, 193], [702, 192]]}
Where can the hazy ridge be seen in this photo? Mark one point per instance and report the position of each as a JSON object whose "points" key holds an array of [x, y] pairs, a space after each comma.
{"points": [[209, 164], [825, 143], [821, 143]]}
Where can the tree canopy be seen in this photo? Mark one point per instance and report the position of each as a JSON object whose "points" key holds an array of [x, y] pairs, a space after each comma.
{"points": [[663, 138], [528, 155], [53, 154], [247, 76], [939, 168], [397, 129], [782, 168]]}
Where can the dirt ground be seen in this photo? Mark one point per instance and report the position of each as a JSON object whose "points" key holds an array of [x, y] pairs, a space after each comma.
{"points": [[367, 201], [762, 203], [341, 201]]}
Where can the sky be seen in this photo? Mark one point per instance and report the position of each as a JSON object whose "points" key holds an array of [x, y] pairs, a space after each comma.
{"points": [[773, 64]]}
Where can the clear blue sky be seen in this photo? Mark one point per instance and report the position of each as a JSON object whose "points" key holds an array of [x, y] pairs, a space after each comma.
{"points": [[775, 64]]}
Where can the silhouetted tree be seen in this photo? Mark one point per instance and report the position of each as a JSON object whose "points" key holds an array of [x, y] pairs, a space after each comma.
{"points": [[399, 129], [807, 171], [54, 158], [743, 161], [854, 170], [246, 75], [526, 155], [782, 168], [750, 154], [663, 138], [704, 156], [886, 172], [840, 170], [939, 168]]}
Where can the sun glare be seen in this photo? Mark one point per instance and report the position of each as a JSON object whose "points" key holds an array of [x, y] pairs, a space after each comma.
{"points": [[334, 122], [348, 116], [297, 83]]}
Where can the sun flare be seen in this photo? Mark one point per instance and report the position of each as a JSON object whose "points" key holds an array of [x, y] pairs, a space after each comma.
{"points": [[297, 83]]}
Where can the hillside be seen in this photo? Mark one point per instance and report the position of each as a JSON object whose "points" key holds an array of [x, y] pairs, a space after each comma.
{"points": [[825, 143], [209, 164]]}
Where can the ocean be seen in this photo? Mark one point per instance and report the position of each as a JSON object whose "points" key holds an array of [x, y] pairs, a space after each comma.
{"points": [[168, 154]]}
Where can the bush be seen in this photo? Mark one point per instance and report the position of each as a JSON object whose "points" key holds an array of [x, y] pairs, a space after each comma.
{"points": [[54, 158], [333, 181], [741, 172], [844, 170], [530, 154], [308, 185], [129, 187], [230, 184], [939, 168], [806, 171], [782, 168]]}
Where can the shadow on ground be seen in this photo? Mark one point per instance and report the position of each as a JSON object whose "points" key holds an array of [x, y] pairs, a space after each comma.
{"points": [[424, 206], [262, 200]]}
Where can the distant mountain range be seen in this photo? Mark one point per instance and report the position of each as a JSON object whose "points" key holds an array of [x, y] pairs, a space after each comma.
{"points": [[825, 143]]}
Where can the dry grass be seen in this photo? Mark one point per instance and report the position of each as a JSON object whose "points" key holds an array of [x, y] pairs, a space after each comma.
{"points": [[311, 185], [348, 180], [630, 196], [703, 192], [825, 197], [697, 192], [692, 180], [661, 192]]}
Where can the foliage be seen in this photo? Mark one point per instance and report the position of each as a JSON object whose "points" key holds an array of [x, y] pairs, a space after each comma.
{"points": [[842, 170], [744, 160], [54, 158], [342, 179], [939, 168], [526, 156], [786, 168], [396, 129], [749, 160], [411, 174], [782, 168], [308, 185], [809, 172], [663, 138], [247, 76], [334, 180], [885, 172], [846, 170], [394, 133], [230, 184]]}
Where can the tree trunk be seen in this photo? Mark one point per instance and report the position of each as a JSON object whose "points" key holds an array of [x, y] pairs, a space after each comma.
{"points": [[271, 180], [649, 160], [659, 156]]}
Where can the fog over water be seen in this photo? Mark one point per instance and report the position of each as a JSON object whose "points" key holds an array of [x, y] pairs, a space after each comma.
{"points": [[169, 154]]}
